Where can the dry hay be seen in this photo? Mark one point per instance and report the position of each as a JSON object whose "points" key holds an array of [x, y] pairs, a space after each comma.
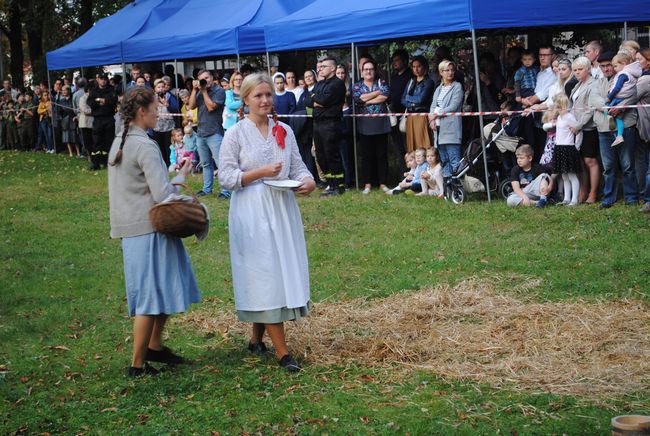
{"points": [[472, 332]]}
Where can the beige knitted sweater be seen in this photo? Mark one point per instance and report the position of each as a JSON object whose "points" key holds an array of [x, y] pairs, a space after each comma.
{"points": [[135, 184]]}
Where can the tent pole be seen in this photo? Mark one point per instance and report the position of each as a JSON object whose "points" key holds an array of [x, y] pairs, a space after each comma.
{"points": [[49, 90], [123, 78], [2, 59], [176, 72], [268, 63], [354, 121], [477, 86], [82, 71], [624, 30], [238, 64]]}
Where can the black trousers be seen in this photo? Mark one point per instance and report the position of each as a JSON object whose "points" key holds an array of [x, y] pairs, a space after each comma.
{"points": [[103, 136], [398, 140], [27, 134], [164, 140], [374, 158], [327, 137], [87, 138]]}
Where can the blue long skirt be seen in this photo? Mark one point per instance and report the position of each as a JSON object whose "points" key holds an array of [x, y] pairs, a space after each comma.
{"points": [[158, 275]]}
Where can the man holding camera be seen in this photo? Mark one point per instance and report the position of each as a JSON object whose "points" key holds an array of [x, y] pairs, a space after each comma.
{"points": [[102, 102], [209, 98]]}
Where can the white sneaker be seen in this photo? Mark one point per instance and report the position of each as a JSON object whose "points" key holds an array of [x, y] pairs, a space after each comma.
{"points": [[366, 191], [617, 141]]}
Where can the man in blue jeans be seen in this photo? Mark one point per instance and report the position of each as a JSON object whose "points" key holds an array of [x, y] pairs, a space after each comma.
{"points": [[613, 156], [209, 98]]}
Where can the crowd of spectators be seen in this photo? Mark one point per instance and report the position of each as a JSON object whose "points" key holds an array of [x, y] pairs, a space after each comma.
{"points": [[562, 100]]}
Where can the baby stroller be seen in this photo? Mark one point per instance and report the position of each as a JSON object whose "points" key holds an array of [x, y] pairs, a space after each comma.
{"points": [[501, 142]]}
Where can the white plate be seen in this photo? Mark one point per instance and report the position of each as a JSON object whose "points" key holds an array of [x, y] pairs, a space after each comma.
{"points": [[282, 184]]}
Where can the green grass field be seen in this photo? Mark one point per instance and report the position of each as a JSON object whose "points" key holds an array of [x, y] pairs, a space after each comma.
{"points": [[65, 333]]}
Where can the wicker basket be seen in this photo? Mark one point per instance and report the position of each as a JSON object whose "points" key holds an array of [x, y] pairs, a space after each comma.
{"points": [[179, 218]]}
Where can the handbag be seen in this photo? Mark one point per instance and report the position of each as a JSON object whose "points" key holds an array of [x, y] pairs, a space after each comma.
{"points": [[179, 219], [402, 123]]}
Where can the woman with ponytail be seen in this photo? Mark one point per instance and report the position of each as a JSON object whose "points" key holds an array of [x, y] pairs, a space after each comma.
{"points": [[157, 270], [267, 243]]}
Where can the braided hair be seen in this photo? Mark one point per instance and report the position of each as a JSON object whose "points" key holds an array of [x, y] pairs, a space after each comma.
{"points": [[135, 98]]}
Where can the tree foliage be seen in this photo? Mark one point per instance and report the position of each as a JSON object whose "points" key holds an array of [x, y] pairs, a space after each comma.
{"points": [[34, 27]]}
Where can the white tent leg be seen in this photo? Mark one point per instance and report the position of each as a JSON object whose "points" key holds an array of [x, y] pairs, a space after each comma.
{"points": [[477, 86]]}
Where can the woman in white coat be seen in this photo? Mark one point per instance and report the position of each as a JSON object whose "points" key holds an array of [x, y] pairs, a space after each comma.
{"points": [[267, 243]]}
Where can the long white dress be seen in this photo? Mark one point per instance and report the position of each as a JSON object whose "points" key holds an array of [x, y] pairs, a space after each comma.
{"points": [[267, 244]]}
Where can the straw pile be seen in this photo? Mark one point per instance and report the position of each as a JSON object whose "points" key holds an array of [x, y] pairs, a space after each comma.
{"points": [[472, 332]]}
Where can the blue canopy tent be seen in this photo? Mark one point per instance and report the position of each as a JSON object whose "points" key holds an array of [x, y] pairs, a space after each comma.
{"points": [[102, 44], [203, 29], [325, 23]]}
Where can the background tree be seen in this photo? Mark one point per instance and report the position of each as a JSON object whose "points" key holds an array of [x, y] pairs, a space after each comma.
{"points": [[34, 27]]}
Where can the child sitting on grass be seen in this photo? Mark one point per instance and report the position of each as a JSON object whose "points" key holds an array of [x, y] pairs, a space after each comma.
{"points": [[432, 180], [409, 159], [178, 154], [530, 182]]}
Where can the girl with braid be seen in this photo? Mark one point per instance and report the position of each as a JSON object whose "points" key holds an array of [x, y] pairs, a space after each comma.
{"points": [[267, 243], [157, 270]]}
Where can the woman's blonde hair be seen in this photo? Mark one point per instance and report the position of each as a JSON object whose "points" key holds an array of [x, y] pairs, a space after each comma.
{"points": [[442, 66], [581, 61], [232, 79], [248, 85], [630, 47]]}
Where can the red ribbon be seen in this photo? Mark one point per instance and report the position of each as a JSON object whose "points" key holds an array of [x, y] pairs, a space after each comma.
{"points": [[279, 133]]}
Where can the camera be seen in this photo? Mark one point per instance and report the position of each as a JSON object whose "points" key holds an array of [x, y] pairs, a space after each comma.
{"points": [[203, 83], [161, 94]]}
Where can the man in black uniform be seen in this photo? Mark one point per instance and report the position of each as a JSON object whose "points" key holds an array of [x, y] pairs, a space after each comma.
{"points": [[327, 99], [102, 102]]}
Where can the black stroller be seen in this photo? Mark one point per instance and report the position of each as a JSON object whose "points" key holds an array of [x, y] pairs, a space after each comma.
{"points": [[500, 146]]}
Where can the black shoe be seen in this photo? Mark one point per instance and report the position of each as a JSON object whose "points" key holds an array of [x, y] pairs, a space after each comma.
{"points": [[139, 372], [290, 364], [93, 166], [258, 349], [165, 355], [202, 193], [605, 205], [321, 185], [330, 193]]}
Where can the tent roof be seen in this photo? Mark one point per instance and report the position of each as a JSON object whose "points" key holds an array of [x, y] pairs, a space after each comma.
{"points": [[101, 44], [326, 23], [532, 13], [251, 36], [206, 28]]}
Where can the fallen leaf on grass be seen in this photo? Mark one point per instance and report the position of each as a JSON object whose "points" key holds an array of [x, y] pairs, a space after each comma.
{"points": [[59, 347], [24, 379], [365, 419], [109, 409]]}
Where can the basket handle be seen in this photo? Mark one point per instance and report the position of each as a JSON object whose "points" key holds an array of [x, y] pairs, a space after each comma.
{"points": [[187, 189]]}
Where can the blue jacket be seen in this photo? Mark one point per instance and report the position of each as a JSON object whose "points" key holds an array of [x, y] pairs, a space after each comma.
{"points": [[417, 95]]}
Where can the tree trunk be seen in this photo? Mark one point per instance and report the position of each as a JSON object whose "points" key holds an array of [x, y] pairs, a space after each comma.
{"points": [[85, 15], [16, 44], [35, 45]]}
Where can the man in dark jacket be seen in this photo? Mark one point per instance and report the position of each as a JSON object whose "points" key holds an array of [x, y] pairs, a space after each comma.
{"points": [[327, 99], [102, 102]]}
